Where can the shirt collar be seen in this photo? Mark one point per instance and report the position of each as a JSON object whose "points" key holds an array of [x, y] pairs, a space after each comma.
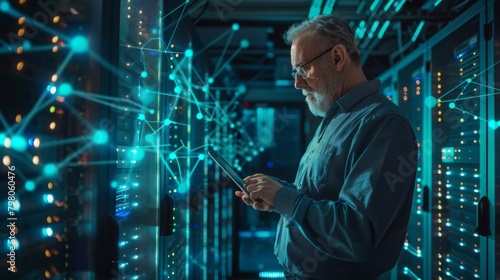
{"points": [[354, 96]]}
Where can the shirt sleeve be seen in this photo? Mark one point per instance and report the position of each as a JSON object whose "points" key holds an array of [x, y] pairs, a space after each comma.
{"points": [[284, 183], [380, 172]]}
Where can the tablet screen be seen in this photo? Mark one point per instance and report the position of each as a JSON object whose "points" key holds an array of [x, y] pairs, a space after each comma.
{"points": [[226, 167]]}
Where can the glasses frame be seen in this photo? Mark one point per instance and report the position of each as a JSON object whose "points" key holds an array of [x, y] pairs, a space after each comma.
{"points": [[300, 69]]}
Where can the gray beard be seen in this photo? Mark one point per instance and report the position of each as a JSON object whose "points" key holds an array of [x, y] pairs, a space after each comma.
{"points": [[318, 105]]}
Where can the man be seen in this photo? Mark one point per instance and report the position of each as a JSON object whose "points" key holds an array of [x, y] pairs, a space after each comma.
{"points": [[346, 214]]}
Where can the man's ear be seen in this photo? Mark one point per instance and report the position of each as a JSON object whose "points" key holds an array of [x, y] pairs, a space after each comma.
{"points": [[340, 55]]}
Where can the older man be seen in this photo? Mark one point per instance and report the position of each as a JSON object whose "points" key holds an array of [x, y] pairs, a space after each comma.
{"points": [[346, 214]]}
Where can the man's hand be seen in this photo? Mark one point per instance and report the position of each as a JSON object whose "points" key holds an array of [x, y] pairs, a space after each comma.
{"points": [[262, 191]]}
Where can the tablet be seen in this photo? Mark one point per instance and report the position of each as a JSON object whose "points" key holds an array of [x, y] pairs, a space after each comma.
{"points": [[226, 167]]}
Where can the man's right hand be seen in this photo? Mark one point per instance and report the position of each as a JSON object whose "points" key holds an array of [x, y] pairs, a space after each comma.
{"points": [[257, 205]]}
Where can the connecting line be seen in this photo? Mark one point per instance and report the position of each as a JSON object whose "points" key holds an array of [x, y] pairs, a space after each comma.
{"points": [[178, 7], [177, 24], [457, 86], [152, 129], [486, 86], [221, 57], [96, 98], [100, 162], [227, 62], [162, 158], [468, 113], [31, 49], [463, 90], [213, 42], [77, 115], [7, 46], [36, 108], [74, 155], [39, 48], [62, 142]]}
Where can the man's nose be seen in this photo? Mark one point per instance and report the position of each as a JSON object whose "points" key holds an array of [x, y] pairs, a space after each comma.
{"points": [[300, 83]]}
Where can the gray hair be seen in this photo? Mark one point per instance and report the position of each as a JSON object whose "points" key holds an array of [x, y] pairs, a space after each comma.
{"points": [[331, 30]]}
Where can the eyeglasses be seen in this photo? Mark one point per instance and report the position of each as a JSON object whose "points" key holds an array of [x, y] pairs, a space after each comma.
{"points": [[300, 69]]}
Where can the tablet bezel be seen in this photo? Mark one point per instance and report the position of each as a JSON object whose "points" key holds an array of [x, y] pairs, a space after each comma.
{"points": [[226, 167]]}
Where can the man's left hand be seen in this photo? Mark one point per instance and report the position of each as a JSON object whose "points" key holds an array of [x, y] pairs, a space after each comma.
{"points": [[262, 187]]}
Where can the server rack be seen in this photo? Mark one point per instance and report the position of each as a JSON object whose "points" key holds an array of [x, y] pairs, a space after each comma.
{"points": [[445, 87]]}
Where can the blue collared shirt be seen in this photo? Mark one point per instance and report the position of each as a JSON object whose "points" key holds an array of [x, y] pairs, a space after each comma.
{"points": [[346, 215]]}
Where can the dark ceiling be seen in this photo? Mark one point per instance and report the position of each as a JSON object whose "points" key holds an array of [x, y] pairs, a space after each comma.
{"points": [[265, 64]]}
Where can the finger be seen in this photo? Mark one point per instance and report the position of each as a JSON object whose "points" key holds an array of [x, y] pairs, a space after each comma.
{"points": [[269, 208], [239, 193], [247, 200], [257, 206]]}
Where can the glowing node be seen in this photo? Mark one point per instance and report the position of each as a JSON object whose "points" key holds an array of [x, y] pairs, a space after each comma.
{"points": [[47, 232], [199, 116], [52, 109], [12, 243], [430, 101], [242, 88], [18, 143], [182, 188], [151, 111], [452, 105], [469, 80], [167, 122], [171, 77], [141, 117], [144, 74], [244, 43], [65, 89], [136, 154], [29, 186], [493, 124], [172, 156], [235, 26], [201, 156], [189, 53], [80, 44], [177, 89], [145, 95], [204, 88], [114, 184], [4, 6], [210, 80], [154, 31], [100, 137], [150, 138], [232, 125], [52, 89], [50, 170], [27, 45]]}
